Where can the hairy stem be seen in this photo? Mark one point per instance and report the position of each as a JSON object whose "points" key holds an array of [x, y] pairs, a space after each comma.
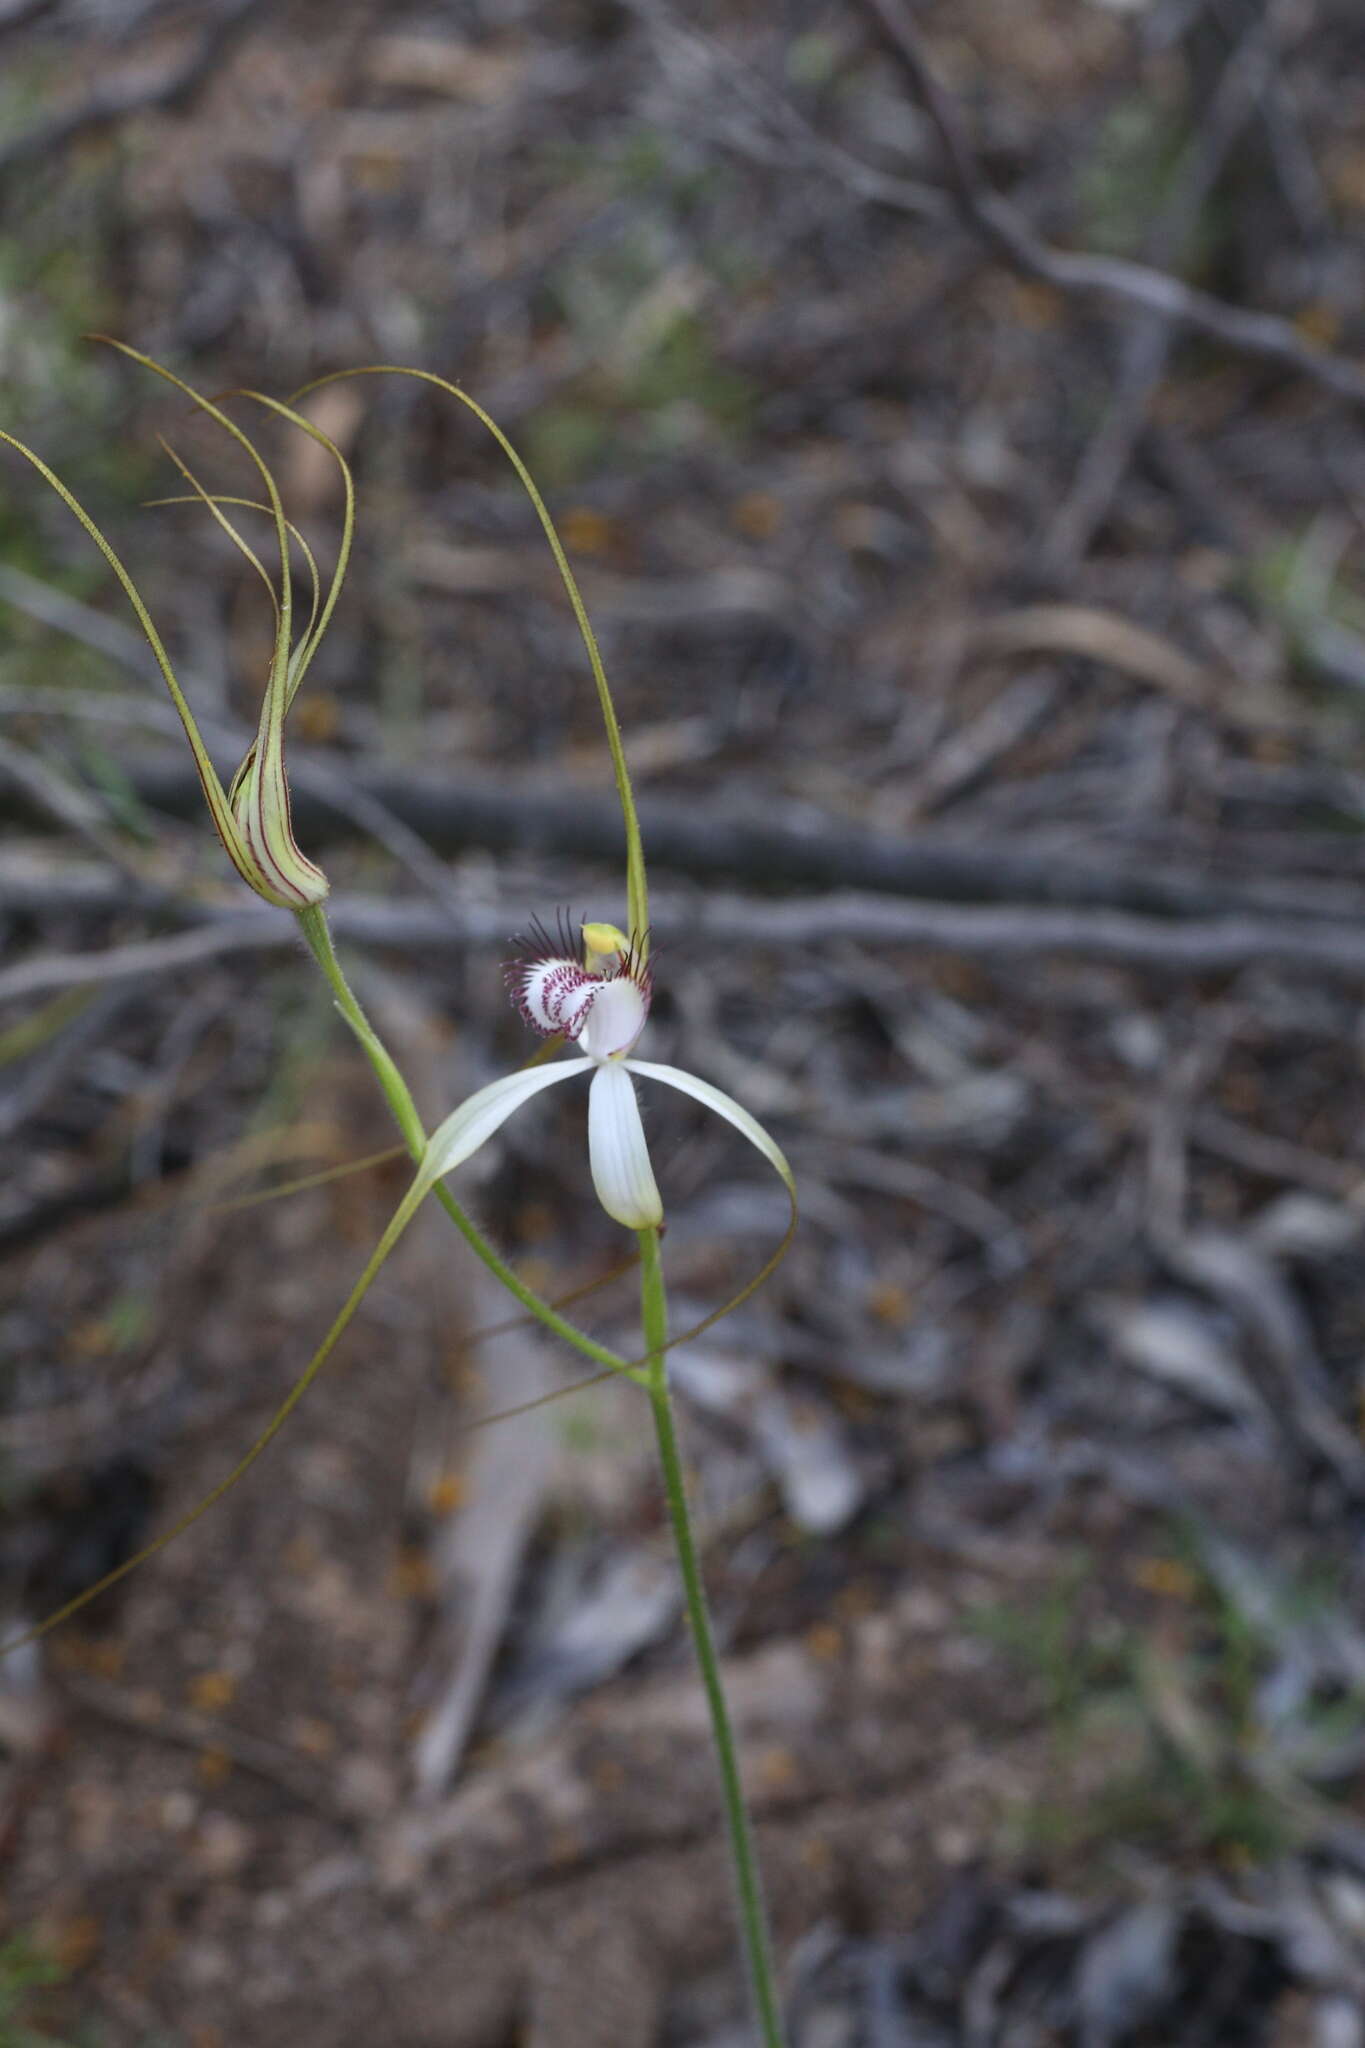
{"points": [[753, 1916]]}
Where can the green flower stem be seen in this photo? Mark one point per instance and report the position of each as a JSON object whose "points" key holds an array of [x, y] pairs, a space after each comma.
{"points": [[313, 924], [752, 1912]]}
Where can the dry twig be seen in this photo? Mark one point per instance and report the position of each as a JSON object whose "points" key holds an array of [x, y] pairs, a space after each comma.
{"points": [[1146, 345], [1263, 336], [169, 95]]}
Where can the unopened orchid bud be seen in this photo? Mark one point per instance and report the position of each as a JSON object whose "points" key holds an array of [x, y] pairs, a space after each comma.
{"points": [[251, 816], [259, 802]]}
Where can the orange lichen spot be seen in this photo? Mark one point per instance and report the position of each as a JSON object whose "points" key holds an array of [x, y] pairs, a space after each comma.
{"points": [[212, 1765], [75, 1942], [445, 1494], [1320, 323], [210, 1691], [302, 1554], [107, 1656], [1166, 1576], [313, 1736], [101, 1656], [1033, 304], [757, 515], [537, 1223], [890, 1303], [317, 717], [585, 531], [463, 1377], [778, 1770], [411, 1576], [379, 174], [825, 1642], [1344, 170], [856, 1403]]}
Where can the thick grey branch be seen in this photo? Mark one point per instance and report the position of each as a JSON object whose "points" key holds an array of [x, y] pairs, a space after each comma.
{"points": [[711, 845], [1198, 947]]}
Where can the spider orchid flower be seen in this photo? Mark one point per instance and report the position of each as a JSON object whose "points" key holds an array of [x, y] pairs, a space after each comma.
{"points": [[599, 998]]}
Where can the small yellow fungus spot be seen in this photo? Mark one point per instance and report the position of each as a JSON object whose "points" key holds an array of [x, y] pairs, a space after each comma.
{"points": [[313, 1736], [445, 1494], [757, 515], [1034, 305], [585, 531], [210, 1691], [1166, 1576], [778, 1769], [890, 1303], [102, 1656], [1319, 322], [76, 1942], [412, 1577], [318, 718], [825, 1642], [302, 1553]]}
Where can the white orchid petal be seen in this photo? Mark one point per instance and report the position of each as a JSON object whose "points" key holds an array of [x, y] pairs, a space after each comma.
{"points": [[617, 1152], [485, 1111], [616, 1019], [723, 1105]]}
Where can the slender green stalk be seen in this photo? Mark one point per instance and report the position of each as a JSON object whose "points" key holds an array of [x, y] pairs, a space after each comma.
{"points": [[753, 1916], [637, 896], [313, 923]]}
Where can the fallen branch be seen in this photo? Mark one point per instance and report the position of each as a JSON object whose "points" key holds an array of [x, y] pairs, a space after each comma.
{"points": [[705, 844], [1199, 946], [709, 844]]}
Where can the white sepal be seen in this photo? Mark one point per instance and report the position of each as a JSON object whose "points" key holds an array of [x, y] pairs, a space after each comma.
{"points": [[617, 1153], [485, 1111], [723, 1105]]}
